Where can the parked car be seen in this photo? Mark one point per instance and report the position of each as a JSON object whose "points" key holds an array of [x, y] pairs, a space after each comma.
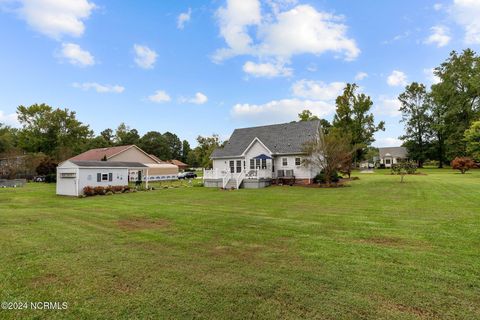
{"points": [[39, 179], [187, 175]]}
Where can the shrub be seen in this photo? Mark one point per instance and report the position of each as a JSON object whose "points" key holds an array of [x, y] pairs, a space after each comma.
{"points": [[463, 164], [99, 190], [109, 189], [404, 168], [88, 191], [320, 178], [126, 189], [109, 193], [117, 189]]}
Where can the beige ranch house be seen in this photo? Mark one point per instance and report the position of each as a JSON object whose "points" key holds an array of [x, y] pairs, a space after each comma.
{"points": [[255, 157], [392, 155]]}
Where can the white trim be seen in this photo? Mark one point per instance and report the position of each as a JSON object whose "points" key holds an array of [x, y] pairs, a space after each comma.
{"points": [[251, 144]]}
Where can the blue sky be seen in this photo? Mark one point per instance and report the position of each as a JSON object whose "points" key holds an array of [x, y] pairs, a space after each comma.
{"points": [[203, 67]]}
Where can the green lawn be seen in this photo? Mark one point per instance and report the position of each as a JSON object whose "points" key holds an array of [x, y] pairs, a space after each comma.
{"points": [[375, 250]]}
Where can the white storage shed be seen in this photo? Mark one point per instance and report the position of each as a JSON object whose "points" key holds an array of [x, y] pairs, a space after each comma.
{"points": [[73, 176]]}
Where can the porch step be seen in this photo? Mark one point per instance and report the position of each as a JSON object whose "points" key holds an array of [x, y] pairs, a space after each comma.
{"points": [[232, 183]]}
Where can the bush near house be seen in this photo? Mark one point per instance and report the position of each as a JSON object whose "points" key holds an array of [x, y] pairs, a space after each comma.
{"points": [[463, 164], [321, 177], [88, 191], [99, 190]]}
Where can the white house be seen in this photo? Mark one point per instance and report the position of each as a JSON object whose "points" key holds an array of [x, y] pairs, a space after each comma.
{"points": [[74, 175], [254, 157], [159, 170], [392, 155]]}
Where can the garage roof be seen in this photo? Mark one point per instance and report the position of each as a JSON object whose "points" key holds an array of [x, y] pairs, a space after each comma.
{"points": [[108, 164]]}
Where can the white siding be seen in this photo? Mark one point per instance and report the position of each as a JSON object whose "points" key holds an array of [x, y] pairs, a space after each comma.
{"points": [[73, 186], [88, 177], [300, 172], [67, 186]]}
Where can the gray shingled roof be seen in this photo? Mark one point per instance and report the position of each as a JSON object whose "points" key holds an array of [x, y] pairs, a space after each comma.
{"points": [[395, 152], [286, 138], [108, 164]]}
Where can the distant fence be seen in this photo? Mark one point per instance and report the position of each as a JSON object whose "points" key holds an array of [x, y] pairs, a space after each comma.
{"points": [[15, 183]]}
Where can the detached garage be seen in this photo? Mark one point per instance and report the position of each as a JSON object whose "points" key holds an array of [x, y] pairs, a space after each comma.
{"points": [[73, 176]]}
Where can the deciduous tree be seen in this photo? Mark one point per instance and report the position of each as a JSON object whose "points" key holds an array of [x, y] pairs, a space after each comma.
{"points": [[353, 117], [416, 109]]}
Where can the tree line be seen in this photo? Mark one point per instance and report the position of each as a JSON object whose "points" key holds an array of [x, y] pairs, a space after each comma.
{"points": [[52, 135], [442, 122]]}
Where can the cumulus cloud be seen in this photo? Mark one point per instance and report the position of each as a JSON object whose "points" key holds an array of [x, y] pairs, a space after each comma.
{"points": [[199, 98], [267, 70], [144, 56], [107, 88], [56, 18], [466, 13], [183, 18], [438, 6], [279, 35], [279, 110], [388, 106], [439, 36], [360, 76], [159, 96], [76, 55], [397, 78], [9, 119], [317, 90]]}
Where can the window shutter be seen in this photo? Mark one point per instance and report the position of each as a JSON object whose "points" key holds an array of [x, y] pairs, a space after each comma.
{"points": [[110, 176], [99, 177]]}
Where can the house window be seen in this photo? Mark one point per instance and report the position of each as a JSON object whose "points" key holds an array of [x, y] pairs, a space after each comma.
{"points": [[284, 162], [264, 163], [239, 166], [298, 161], [104, 176], [252, 164], [232, 166], [387, 161], [68, 175]]}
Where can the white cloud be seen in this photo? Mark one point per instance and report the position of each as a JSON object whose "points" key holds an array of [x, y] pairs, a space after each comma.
{"points": [[9, 119], [159, 96], [279, 35], [438, 6], [388, 106], [107, 88], [183, 18], [439, 36], [76, 55], [388, 142], [199, 98], [267, 70], [360, 76], [431, 77], [144, 56], [317, 90], [466, 13], [56, 18], [279, 110], [397, 78]]}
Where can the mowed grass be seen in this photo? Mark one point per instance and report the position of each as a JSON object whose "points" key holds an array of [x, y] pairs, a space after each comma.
{"points": [[378, 249]]}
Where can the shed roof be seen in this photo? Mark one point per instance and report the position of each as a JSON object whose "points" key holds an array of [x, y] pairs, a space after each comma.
{"points": [[178, 163], [396, 152], [108, 164], [99, 153], [285, 138]]}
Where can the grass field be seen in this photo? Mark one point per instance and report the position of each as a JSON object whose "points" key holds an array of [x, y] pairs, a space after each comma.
{"points": [[375, 250]]}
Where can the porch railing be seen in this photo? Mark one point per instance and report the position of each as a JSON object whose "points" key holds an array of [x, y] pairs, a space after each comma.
{"points": [[240, 176]]}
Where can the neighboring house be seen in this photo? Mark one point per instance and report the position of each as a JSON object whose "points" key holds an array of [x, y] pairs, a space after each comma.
{"points": [[74, 175], [392, 155], [254, 157], [182, 166], [159, 170]]}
